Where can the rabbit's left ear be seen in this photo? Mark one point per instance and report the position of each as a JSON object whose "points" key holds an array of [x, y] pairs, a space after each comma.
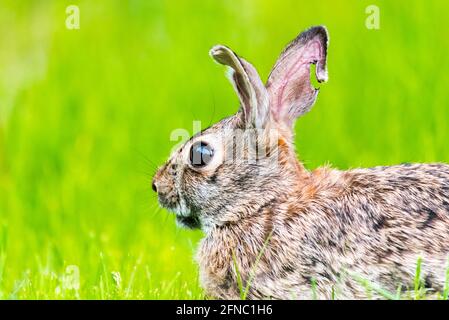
{"points": [[246, 81], [289, 88]]}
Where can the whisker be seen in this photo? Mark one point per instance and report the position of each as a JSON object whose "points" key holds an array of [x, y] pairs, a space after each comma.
{"points": [[213, 110]]}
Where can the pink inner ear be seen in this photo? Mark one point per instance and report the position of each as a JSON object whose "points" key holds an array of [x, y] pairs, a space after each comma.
{"points": [[298, 75]]}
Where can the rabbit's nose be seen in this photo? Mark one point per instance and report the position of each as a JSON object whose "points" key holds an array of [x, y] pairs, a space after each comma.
{"points": [[153, 186]]}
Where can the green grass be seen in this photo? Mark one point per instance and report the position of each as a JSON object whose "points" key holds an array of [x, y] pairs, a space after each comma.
{"points": [[86, 115]]}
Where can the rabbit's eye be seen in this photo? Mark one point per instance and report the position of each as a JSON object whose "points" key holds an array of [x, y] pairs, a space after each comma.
{"points": [[200, 154]]}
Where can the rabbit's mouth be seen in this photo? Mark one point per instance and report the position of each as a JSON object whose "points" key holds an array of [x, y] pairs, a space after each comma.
{"points": [[190, 222], [185, 216], [170, 201]]}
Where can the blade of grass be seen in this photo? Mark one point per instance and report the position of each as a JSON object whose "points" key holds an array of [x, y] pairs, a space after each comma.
{"points": [[446, 283], [244, 290], [418, 282], [373, 286], [253, 269], [238, 275], [313, 283], [399, 292]]}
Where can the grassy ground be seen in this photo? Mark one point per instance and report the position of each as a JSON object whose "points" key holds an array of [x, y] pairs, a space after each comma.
{"points": [[86, 115]]}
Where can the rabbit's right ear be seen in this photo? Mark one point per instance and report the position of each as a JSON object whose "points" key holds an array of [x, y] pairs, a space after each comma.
{"points": [[246, 81], [289, 88]]}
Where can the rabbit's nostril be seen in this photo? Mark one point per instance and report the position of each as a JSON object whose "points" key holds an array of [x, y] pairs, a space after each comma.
{"points": [[153, 186]]}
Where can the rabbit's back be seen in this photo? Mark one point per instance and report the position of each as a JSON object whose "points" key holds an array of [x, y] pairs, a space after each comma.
{"points": [[376, 222]]}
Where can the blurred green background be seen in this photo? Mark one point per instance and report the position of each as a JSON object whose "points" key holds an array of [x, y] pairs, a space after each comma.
{"points": [[86, 115]]}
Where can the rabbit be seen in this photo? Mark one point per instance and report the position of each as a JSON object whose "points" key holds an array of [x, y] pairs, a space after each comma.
{"points": [[275, 230]]}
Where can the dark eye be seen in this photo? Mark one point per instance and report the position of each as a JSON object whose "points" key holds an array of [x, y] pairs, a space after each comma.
{"points": [[200, 154]]}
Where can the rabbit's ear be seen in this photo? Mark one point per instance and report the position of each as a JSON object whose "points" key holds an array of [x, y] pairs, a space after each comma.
{"points": [[290, 91], [246, 81]]}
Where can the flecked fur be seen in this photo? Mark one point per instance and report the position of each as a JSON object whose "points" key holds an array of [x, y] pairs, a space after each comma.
{"points": [[322, 226]]}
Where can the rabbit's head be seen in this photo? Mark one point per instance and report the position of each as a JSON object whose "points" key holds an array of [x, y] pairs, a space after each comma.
{"points": [[241, 164]]}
